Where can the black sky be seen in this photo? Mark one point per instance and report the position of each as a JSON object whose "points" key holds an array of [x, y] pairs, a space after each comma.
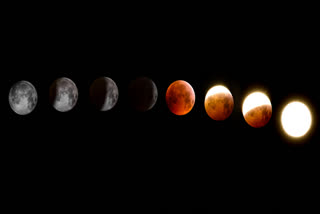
{"points": [[156, 153]]}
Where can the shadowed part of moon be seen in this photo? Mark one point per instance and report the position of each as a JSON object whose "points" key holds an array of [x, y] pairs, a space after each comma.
{"points": [[143, 94], [180, 97], [219, 106], [63, 94], [104, 93], [23, 97], [258, 116]]}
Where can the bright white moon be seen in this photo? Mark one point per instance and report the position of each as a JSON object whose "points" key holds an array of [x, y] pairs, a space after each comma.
{"points": [[296, 119]]}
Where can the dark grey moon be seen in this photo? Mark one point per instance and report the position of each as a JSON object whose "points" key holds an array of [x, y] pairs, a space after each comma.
{"points": [[63, 94], [104, 93], [143, 94], [23, 97]]}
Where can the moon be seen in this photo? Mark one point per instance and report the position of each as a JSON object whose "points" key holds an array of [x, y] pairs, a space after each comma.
{"points": [[257, 109], [104, 93], [143, 94], [63, 94], [180, 97], [219, 103], [296, 119], [23, 97]]}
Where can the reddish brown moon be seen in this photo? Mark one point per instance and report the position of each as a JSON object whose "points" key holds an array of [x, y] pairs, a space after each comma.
{"points": [[258, 116], [180, 97], [219, 103]]}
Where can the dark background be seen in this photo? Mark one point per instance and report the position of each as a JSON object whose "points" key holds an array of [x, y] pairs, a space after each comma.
{"points": [[125, 160]]}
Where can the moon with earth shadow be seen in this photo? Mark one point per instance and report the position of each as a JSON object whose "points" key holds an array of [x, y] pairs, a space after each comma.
{"points": [[143, 94], [104, 93], [63, 94]]}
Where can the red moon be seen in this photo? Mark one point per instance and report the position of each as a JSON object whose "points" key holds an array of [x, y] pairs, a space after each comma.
{"points": [[180, 97]]}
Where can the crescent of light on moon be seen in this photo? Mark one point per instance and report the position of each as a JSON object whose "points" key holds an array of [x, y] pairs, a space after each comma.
{"points": [[217, 89], [143, 94], [296, 119], [104, 93], [254, 100]]}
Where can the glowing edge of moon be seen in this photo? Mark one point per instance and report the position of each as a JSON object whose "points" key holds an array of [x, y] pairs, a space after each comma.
{"points": [[254, 100], [217, 89]]}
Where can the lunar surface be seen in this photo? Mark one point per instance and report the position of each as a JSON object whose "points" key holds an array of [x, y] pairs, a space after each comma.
{"points": [[143, 94], [104, 93], [180, 97], [63, 94], [23, 97], [296, 119], [257, 109], [219, 103]]}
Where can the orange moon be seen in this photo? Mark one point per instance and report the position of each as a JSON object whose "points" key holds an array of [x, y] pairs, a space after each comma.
{"points": [[180, 97], [257, 109], [219, 103]]}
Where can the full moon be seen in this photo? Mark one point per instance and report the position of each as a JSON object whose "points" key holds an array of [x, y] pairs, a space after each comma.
{"points": [[180, 97], [23, 97], [219, 103], [63, 94], [143, 94], [296, 119], [257, 109], [104, 93]]}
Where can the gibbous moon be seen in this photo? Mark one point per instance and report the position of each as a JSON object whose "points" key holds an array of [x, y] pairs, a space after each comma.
{"points": [[23, 97], [257, 109], [219, 103], [104, 93], [180, 97], [63, 94], [296, 119], [143, 94]]}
